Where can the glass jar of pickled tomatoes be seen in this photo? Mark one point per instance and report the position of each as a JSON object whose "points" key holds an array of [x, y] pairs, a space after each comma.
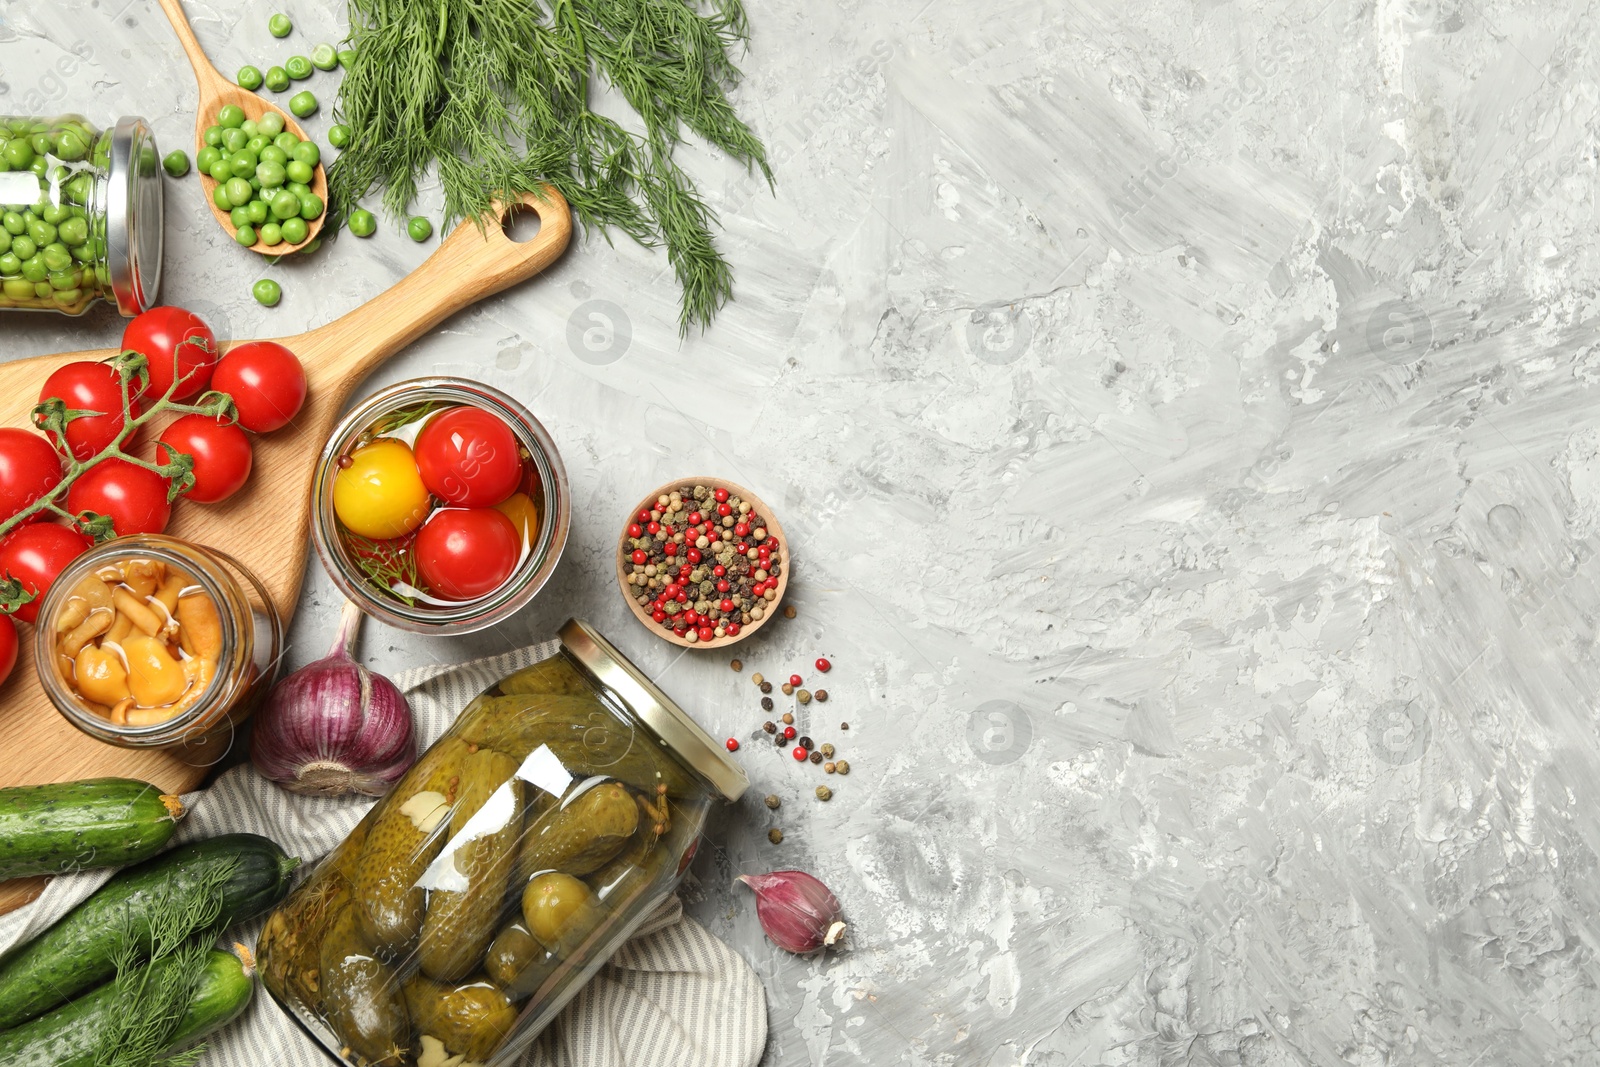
{"points": [[152, 642]]}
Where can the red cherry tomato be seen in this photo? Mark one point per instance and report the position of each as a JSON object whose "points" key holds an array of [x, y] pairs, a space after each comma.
{"points": [[85, 386], [34, 554], [134, 497], [465, 553], [8, 646], [469, 457], [266, 381], [176, 342], [221, 454], [29, 468]]}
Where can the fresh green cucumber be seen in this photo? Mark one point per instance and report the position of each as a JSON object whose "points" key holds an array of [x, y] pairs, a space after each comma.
{"points": [[78, 952], [76, 1034], [72, 826]]}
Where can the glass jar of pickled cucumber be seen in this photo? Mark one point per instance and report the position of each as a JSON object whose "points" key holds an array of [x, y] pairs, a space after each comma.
{"points": [[518, 853], [80, 214], [151, 642]]}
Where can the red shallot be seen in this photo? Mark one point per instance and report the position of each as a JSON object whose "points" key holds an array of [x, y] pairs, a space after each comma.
{"points": [[797, 912]]}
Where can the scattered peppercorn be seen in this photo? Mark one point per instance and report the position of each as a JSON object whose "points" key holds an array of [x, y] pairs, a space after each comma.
{"points": [[824, 793], [799, 754], [802, 696], [843, 767], [788, 611], [823, 665], [844, 726], [828, 767], [756, 678], [780, 740], [795, 679], [766, 703], [733, 745], [816, 757], [821, 695], [826, 750], [770, 727], [807, 744], [772, 801], [775, 835], [737, 664], [788, 690], [766, 687], [788, 718], [788, 732]]}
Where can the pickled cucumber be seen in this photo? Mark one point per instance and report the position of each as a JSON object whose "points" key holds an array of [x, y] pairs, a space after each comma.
{"points": [[587, 738], [560, 911], [641, 862], [582, 836], [550, 677], [288, 951], [469, 1020], [361, 998], [389, 903], [518, 963], [460, 923]]}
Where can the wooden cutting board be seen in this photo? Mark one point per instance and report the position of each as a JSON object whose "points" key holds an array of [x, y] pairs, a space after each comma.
{"points": [[266, 526]]}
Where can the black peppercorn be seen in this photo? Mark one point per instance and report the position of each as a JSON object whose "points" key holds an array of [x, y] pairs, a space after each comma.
{"points": [[770, 727], [766, 687], [805, 743], [778, 740], [816, 757], [766, 703]]}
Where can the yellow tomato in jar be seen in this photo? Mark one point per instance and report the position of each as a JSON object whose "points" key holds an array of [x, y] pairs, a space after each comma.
{"points": [[523, 513], [380, 494]]}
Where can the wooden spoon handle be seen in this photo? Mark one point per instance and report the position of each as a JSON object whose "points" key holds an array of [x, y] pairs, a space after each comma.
{"points": [[203, 69], [469, 265]]}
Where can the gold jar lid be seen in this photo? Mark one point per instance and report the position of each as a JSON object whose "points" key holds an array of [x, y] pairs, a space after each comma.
{"points": [[677, 731]]}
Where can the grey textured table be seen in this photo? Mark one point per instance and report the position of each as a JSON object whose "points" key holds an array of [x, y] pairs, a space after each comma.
{"points": [[1182, 422]]}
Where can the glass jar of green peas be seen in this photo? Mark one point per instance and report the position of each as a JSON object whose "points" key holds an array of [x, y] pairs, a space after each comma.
{"points": [[80, 214]]}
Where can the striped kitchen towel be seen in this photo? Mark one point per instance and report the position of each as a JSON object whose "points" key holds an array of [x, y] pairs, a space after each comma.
{"points": [[673, 996]]}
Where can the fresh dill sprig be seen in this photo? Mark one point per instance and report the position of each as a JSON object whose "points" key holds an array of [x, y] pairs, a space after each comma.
{"points": [[497, 94]]}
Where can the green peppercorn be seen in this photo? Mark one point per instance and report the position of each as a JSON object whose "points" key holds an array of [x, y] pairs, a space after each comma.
{"points": [[824, 793], [843, 767], [775, 835], [772, 801], [176, 163]]}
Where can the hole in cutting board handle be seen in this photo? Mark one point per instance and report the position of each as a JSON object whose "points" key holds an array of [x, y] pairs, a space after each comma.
{"points": [[521, 224]]}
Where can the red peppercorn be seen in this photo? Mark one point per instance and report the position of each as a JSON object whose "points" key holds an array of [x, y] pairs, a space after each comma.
{"points": [[707, 633], [635, 530], [682, 597], [693, 555], [788, 733], [724, 510], [719, 570], [680, 629], [670, 549], [658, 615], [726, 605], [824, 666], [694, 518], [732, 629], [644, 515], [733, 746], [670, 591], [654, 527], [795, 680], [758, 589], [639, 556], [799, 753], [721, 495], [724, 585], [741, 529]]}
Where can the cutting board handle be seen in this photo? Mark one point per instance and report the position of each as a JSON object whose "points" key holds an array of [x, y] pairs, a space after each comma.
{"points": [[469, 265]]}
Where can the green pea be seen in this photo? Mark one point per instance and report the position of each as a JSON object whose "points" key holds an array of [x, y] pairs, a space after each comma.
{"points": [[299, 67], [219, 196], [13, 222], [258, 211], [255, 183], [83, 253], [71, 146], [285, 205], [34, 269], [41, 232], [271, 234], [220, 170], [212, 136], [307, 152], [240, 216], [55, 214], [276, 79], [362, 223], [310, 207], [18, 289], [5, 241], [243, 163], [230, 117], [10, 264], [204, 158], [279, 26], [234, 140], [249, 78], [19, 153], [303, 104], [286, 141], [298, 171], [324, 57], [56, 257], [270, 174], [311, 246], [245, 235], [176, 163], [256, 144], [270, 124], [298, 188], [73, 231], [267, 292], [339, 135], [294, 230], [26, 248], [39, 166], [63, 280], [239, 191], [249, 126], [273, 154], [79, 189], [347, 56], [419, 228]]}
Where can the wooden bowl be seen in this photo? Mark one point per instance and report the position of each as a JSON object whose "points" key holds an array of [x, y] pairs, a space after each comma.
{"points": [[774, 529]]}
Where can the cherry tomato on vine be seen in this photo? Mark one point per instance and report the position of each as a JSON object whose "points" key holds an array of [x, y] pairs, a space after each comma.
{"points": [[465, 553], [8, 646], [34, 554], [134, 497], [469, 457], [221, 454], [29, 468], [86, 386], [266, 381], [176, 342], [380, 494]]}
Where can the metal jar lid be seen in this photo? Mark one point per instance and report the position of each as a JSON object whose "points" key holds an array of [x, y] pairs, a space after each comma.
{"points": [[134, 215], [677, 731]]}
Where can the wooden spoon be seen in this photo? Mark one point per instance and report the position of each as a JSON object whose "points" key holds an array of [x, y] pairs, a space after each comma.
{"points": [[216, 92]]}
